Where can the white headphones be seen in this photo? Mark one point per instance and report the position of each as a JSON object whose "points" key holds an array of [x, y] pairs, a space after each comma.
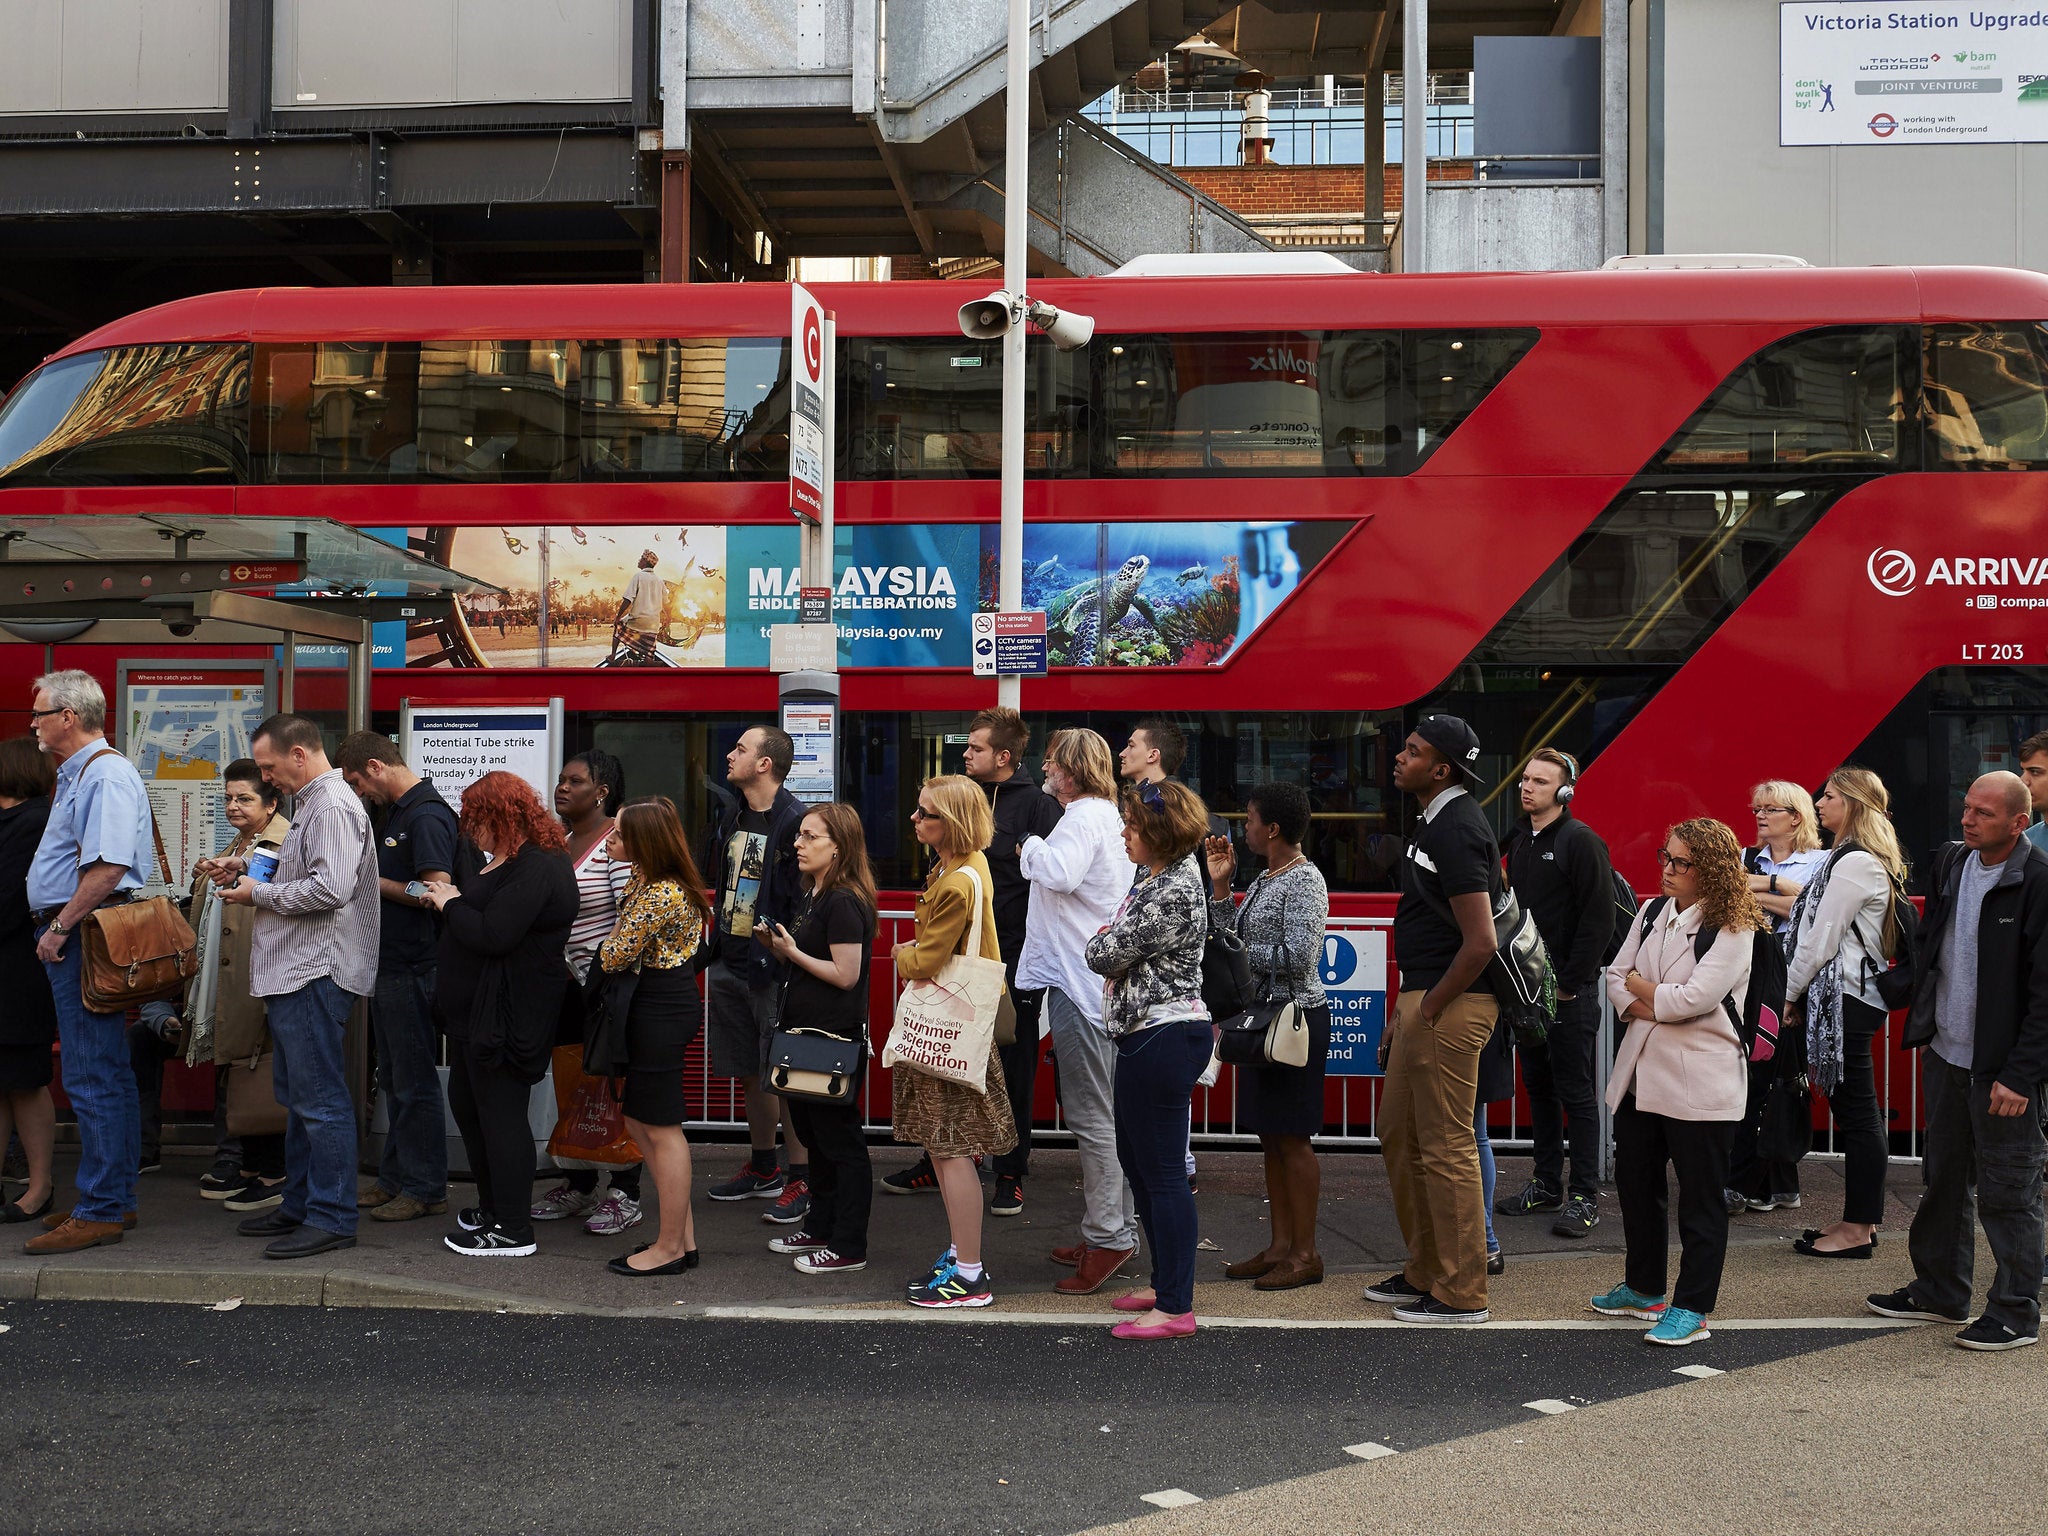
{"points": [[1566, 790]]}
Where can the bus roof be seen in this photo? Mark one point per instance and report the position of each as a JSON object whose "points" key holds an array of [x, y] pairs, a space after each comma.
{"points": [[1794, 297]]}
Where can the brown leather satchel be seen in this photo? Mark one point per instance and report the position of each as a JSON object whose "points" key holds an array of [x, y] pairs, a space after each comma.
{"points": [[138, 951]]}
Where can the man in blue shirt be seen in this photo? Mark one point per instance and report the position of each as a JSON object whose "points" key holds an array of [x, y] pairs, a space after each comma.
{"points": [[95, 852], [2034, 774], [416, 843]]}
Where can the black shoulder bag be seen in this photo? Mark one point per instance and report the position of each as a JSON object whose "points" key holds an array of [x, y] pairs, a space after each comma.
{"points": [[1270, 1031], [607, 999]]}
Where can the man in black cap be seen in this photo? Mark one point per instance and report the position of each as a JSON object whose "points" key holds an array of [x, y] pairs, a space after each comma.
{"points": [[1444, 941]]}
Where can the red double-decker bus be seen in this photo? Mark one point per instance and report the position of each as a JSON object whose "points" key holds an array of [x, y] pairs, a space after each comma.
{"points": [[1697, 528]]}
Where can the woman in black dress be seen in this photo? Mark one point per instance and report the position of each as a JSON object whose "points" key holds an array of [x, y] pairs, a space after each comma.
{"points": [[28, 1022], [1281, 922], [662, 918], [498, 992]]}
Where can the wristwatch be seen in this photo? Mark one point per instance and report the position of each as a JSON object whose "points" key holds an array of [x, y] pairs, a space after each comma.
{"points": [[1774, 885], [57, 927]]}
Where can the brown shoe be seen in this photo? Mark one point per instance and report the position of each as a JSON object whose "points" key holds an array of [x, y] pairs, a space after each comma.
{"points": [[73, 1235], [1094, 1270], [1248, 1269], [375, 1196], [405, 1208], [1290, 1273], [1068, 1256], [57, 1219]]}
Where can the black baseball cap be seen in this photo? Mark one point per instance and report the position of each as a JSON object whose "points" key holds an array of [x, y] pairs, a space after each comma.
{"points": [[1456, 740]]}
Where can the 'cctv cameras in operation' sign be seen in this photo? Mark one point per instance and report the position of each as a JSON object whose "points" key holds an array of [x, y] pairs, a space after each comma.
{"points": [[810, 391]]}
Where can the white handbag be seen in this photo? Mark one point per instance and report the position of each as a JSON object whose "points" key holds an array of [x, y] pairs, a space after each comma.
{"points": [[945, 1026]]}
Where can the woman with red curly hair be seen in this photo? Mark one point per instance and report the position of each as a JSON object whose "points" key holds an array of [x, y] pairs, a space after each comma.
{"points": [[498, 993]]}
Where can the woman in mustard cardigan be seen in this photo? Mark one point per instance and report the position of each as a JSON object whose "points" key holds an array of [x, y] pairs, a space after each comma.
{"points": [[952, 1122]]}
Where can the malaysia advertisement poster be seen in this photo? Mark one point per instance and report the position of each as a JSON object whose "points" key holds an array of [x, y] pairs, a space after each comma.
{"points": [[1115, 594]]}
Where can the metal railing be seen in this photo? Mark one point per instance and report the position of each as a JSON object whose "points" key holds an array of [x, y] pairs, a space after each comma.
{"points": [[1355, 1122]]}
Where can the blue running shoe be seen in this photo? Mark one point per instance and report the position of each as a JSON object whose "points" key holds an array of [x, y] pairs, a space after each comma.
{"points": [[1623, 1302], [950, 1288], [940, 1265], [1678, 1326]]}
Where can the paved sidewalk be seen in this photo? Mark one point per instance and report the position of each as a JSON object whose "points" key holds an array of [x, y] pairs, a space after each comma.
{"points": [[186, 1249]]}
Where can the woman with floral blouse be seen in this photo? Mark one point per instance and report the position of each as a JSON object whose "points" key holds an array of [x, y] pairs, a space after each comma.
{"points": [[662, 915]]}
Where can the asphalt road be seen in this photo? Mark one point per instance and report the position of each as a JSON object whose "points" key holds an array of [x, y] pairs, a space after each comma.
{"points": [[173, 1419]]}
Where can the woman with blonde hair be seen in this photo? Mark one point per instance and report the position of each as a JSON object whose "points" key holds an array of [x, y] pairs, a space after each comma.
{"points": [[1844, 932], [1786, 855], [1787, 849], [952, 1122], [1681, 1075]]}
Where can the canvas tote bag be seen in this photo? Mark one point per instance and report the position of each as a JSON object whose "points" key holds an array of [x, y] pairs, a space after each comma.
{"points": [[945, 1026]]}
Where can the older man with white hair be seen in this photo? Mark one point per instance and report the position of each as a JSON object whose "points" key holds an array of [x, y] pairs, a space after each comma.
{"points": [[95, 852], [1980, 1010]]}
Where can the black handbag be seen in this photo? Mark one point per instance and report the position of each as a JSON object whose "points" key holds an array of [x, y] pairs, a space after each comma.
{"points": [[1271, 1031], [1226, 973], [607, 998], [810, 1064], [1784, 1130]]}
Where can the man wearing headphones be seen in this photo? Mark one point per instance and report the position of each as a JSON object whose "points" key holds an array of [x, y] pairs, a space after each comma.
{"points": [[1560, 872]]}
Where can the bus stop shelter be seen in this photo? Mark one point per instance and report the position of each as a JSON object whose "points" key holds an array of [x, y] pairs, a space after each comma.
{"points": [[141, 580]]}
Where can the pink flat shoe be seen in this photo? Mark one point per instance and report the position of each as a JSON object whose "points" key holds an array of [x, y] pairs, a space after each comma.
{"points": [[1131, 1304], [1173, 1328]]}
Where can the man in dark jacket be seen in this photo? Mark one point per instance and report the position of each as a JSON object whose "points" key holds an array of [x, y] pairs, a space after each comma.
{"points": [[996, 742], [750, 864], [1560, 871], [1980, 1011]]}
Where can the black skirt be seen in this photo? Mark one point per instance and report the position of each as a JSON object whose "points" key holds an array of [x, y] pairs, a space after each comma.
{"points": [[25, 1068], [1288, 1101], [665, 1015]]}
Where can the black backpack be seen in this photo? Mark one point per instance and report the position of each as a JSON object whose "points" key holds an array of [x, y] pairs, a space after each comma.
{"points": [[1895, 983], [1758, 1022], [1625, 909]]}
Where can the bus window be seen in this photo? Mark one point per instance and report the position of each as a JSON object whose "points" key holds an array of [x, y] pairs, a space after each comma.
{"points": [[698, 408], [1987, 404], [1828, 400], [932, 407], [1290, 402], [418, 411], [175, 413]]}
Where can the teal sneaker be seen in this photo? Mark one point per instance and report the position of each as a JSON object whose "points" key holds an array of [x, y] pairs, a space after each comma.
{"points": [[1623, 1302], [1678, 1326], [950, 1288]]}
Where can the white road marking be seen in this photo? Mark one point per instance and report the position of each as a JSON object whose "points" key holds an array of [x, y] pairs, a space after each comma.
{"points": [[1170, 1498], [1698, 1372], [1551, 1405], [1370, 1450], [963, 1318]]}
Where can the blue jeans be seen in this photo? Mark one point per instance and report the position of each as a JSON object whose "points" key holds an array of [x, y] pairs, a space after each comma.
{"points": [[99, 1079], [415, 1158], [1155, 1081], [306, 1029], [1485, 1173]]}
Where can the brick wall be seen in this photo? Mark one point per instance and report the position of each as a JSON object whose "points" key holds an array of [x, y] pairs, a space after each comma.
{"points": [[1300, 189]]}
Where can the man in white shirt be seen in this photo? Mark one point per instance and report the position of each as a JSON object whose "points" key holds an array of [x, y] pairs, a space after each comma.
{"points": [[646, 595]]}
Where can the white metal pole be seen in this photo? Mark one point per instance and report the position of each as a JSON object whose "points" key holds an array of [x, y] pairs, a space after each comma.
{"points": [[1414, 135], [1016, 206]]}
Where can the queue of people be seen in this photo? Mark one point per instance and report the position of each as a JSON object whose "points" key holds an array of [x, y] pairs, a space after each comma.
{"points": [[501, 928]]}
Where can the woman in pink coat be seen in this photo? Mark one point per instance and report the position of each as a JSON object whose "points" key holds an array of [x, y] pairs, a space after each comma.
{"points": [[1681, 1078]]}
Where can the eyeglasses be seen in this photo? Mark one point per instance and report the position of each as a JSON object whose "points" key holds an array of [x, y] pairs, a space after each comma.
{"points": [[1770, 810], [43, 714], [1676, 866], [1152, 797], [820, 837], [919, 813]]}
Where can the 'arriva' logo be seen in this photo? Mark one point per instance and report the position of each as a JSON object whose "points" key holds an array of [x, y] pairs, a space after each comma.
{"points": [[1891, 571]]}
